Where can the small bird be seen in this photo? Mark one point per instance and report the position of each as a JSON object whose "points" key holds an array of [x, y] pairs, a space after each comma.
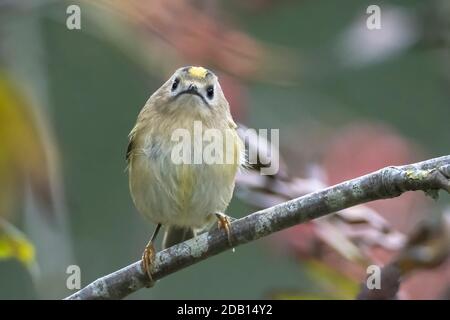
{"points": [[188, 197]]}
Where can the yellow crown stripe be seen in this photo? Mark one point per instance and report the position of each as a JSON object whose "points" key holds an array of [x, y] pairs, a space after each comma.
{"points": [[198, 72]]}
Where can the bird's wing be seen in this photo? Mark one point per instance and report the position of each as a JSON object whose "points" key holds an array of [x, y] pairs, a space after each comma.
{"points": [[129, 148]]}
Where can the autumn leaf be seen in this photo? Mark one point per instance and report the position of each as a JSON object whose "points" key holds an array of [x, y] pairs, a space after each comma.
{"points": [[15, 245]]}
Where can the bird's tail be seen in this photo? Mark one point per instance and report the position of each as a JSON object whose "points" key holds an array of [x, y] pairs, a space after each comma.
{"points": [[175, 235]]}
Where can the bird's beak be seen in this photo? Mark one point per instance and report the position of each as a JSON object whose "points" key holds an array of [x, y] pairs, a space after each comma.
{"points": [[192, 89]]}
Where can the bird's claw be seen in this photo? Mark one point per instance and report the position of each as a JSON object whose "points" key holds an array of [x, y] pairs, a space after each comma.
{"points": [[223, 222], [147, 262]]}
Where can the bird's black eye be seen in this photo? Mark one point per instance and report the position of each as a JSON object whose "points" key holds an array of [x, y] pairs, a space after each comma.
{"points": [[175, 84], [210, 92]]}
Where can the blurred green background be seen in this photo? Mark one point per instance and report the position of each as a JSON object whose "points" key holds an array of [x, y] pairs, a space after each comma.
{"points": [[89, 87]]}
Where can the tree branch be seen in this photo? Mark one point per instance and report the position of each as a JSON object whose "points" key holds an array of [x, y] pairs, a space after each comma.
{"points": [[428, 176]]}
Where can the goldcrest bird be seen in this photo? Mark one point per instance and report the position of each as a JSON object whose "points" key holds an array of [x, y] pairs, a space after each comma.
{"points": [[186, 197]]}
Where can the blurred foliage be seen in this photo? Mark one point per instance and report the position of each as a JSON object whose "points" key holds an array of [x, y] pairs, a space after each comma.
{"points": [[14, 244], [22, 161], [330, 284], [21, 151], [283, 64]]}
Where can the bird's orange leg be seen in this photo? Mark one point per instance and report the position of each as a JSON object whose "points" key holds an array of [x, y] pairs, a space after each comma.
{"points": [[223, 222], [148, 256]]}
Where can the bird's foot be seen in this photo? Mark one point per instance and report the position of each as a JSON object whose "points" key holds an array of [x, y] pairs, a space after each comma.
{"points": [[147, 262], [224, 222]]}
